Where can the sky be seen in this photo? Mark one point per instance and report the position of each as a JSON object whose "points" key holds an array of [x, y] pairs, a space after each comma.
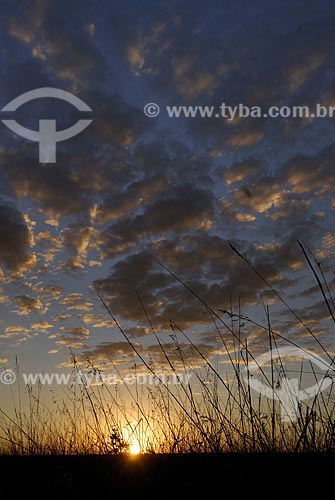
{"points": [[132, 191]]}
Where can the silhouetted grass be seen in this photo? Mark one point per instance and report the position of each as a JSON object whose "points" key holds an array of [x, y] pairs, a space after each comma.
{"points": [[214, 412]]}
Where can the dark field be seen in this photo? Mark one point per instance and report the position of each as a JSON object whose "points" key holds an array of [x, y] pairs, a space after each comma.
{"points": [[260, 476]]}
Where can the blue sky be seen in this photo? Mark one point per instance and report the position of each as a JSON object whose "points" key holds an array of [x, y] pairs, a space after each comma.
{"points": [[130, 189]]}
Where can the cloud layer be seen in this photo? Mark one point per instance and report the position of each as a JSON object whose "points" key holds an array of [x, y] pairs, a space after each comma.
{"points": [[131, 192]]}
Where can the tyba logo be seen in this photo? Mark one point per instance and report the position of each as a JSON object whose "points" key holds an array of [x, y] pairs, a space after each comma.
{"points": [[289, 393], [47, 136]]}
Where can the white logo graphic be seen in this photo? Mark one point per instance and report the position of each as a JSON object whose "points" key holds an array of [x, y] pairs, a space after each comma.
{"points": [[47, 136], [288, 393]]}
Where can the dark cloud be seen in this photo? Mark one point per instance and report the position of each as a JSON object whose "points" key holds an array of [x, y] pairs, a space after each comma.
{"points": [[15, 239], [73, 337], [77, 332], [111, 350], [312, 173], [72, 56], [179, 209], [136, 194], [55, 189], [207, 265], [121, 353], [28, 304], [241, 171]]}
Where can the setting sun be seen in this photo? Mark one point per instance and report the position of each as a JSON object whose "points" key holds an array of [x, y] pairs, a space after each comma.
{"points": [[134, 448]]}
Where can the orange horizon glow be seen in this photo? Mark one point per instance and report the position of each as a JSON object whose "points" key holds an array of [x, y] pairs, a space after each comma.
{"points": [[135, 448]]}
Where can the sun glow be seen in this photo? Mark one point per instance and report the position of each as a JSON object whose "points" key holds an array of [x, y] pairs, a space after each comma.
{"points": [[134, 448]]}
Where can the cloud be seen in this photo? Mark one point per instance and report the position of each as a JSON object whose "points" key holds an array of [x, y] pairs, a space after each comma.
{"points": [[77, 332], [15, 239], [241, 217], [96, 320], [137, 194], [42, 326], [49, 244], [55, 190], [241, 171], [75, 301], [119, 123], [14, 331], [49, 290], [27, 305], [193, 79], [94, 263], [80, 239], [307, 173], [21, 33], [73, 56], [74, 337], [34, 15], [122, 356], [259, 196], [111, 350], [3, 297], [180, 209], [309, 52], [206, 264], [304, 69]]}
